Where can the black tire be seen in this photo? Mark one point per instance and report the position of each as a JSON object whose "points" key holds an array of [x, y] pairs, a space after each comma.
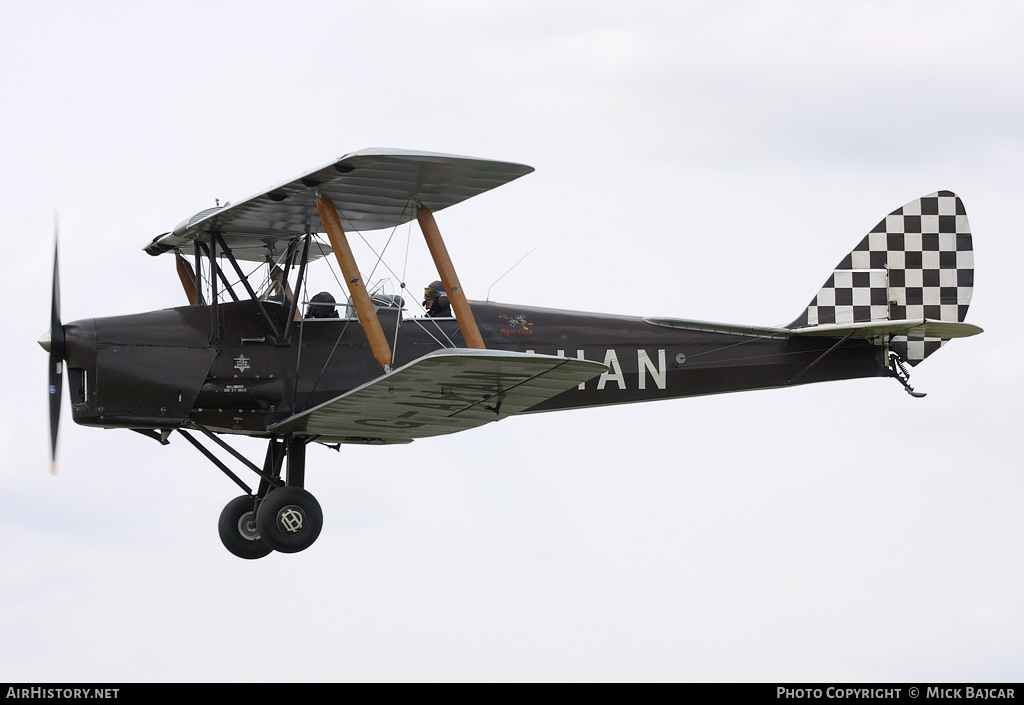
{"points": [[238, 530], [289, 519]]}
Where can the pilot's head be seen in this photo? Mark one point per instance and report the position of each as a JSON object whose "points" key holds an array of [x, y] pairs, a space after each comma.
{"points": [[432, 292], [322, 306]]}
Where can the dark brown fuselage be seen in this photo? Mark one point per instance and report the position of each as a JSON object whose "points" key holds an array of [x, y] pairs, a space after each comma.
{"points": [[158, 370]]}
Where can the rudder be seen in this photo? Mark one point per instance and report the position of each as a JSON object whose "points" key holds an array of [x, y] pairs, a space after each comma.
{"points": [[917, 263]]}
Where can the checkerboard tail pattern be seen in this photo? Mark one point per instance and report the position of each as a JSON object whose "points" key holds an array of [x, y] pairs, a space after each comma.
{"points": [[917, 263]]}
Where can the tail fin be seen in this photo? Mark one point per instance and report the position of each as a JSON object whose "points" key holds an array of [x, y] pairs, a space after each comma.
{"points": [[917, 263]]}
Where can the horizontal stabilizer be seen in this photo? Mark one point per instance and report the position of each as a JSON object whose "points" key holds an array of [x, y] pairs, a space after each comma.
{"points": [[446, 391], [874, 329], [921, 327]]}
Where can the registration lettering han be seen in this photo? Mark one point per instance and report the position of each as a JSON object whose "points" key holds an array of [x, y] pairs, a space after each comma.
{"points": [[614, 373], [645, 366]]}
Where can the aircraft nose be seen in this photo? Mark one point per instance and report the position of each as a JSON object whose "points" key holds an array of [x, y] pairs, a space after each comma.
{"points": [[76, 343]]}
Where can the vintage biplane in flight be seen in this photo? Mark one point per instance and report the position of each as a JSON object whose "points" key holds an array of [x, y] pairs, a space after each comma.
{"points": [[248, 359]]}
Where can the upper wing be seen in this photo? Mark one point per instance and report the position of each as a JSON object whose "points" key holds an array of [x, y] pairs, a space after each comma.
{"points": [[446, 391], [371, 189]]}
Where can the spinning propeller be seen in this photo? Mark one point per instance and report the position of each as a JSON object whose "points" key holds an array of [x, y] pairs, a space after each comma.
{"points": [[53, 342]]}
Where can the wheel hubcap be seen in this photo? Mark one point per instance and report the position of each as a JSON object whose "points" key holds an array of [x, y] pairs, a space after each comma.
{"points": [[247, 527], [291, 519]]}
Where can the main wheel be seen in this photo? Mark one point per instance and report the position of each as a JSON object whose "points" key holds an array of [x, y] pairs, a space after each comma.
{"points": [[289, 519], [238, 530]]}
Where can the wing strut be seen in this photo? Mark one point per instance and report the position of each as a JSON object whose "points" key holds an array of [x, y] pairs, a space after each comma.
{"points": [[467, 324], [188, 279], [356, 287]]}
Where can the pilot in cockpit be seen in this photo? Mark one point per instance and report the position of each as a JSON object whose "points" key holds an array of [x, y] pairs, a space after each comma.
{"points": [[435, 301], [322, 306]]}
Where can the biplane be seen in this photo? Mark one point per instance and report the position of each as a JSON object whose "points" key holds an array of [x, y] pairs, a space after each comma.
{"points": [[252, 354]]}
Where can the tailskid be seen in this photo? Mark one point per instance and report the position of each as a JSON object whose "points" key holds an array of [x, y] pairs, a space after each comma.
{"points": [[899, 370]]}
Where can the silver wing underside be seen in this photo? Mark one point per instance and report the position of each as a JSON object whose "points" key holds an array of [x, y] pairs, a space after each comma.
{"points": [[372, 189], [443, 392]]}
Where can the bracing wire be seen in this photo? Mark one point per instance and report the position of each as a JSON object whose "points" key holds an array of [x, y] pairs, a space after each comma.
{"points": [[380, 261], [401, 291], [507, 271]]}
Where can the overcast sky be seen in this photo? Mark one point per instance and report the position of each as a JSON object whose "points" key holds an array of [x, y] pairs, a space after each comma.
{"points": [[701, 160]]}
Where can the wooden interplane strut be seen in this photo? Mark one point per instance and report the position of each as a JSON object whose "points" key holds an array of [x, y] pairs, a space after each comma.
{"points": [[457, 298], [188, 279], [356, 287]]}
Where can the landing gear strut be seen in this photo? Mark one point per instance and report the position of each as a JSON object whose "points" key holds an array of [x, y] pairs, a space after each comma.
{"points": [[281, 516]]}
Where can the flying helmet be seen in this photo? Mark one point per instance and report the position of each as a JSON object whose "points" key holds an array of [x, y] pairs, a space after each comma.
{"points": [[433, 290]]}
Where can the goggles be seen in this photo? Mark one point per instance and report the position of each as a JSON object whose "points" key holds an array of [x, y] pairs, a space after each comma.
{"points": [[429, 294]]}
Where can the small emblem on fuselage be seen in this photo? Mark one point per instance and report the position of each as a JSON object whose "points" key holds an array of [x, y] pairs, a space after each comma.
{"points": [[517, 325], [242, 363]]}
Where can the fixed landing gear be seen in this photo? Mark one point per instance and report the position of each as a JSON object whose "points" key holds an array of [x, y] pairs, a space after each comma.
{"points": [[238, 530], [289, 520], [281, 515]]}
